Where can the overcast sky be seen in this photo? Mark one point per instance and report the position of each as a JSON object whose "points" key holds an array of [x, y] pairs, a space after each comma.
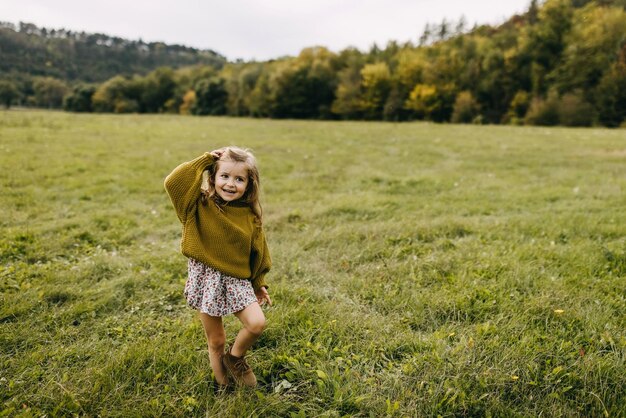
{"points": [[258, 29]]}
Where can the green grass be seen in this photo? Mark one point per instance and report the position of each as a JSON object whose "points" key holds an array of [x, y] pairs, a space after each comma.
{"points": [[419, 269]]}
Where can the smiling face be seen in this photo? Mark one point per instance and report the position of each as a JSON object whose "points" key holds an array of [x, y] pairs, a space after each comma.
{"points": [[231, 180]]}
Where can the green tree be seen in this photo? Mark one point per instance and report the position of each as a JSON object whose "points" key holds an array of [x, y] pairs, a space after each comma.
{"points": [[422, 100], [8, 93], [518, 107], [260, 98], [211, 97], [79, 100], [304, 87], [184, 80], [49, 92], [410, 68], [466, 108], [431, 102], [592, 46], [348, 103], [493, 85], [240, 82], [394, 109], [425, 37], [574, 110], [376, 83], [290, 93], [322, 79], [544, 111], [542, 43], [610, 94], [532, 12], [119, 95], [157, 88]]}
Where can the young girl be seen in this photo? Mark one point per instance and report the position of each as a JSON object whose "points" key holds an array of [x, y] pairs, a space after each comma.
{"points": [[216, 197]]}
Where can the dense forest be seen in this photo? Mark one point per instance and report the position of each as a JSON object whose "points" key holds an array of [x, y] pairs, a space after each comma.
{"points": [[67, 55], [560, 62]]}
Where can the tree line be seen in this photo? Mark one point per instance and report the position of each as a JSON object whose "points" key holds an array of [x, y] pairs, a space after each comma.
{"points": [[28, 50], [561, 62]]}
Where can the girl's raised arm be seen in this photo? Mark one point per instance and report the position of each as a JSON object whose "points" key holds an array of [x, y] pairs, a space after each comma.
{"points": [[183, 184]]}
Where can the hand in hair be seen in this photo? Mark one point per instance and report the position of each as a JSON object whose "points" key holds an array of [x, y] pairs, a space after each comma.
{"points": [[217, 153]]}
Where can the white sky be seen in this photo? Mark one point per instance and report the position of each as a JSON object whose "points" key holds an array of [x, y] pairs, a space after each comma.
{"points": [[258, 29]]}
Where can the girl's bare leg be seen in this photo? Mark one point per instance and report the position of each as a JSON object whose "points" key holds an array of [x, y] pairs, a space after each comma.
{"points": [[253, 321], [216, 339]]}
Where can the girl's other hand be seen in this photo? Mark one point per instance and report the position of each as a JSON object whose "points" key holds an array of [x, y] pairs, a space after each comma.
{"points": [[217, 153], [262, 296]]}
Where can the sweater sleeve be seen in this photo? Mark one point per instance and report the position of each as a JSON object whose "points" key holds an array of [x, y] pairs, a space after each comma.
{"points": [[260, 262], [183, 184]]}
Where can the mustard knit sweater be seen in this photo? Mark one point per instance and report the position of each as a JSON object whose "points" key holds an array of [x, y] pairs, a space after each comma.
{"points": [[226, 239]]}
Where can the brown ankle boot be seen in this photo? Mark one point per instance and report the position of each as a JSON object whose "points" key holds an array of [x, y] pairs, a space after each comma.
{"points": [[239, 369]]}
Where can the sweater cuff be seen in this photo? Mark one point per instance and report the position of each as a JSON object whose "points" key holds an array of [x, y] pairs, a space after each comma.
{"points": [[259, 282]]}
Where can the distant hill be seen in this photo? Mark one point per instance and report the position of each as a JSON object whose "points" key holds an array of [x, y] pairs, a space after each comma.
{"points": [[92, 57]]}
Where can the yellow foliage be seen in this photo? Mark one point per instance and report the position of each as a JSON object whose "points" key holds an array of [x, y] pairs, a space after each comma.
{"points": [[420, 97], [315, 55], [411, 65], [597, 29], [373, 74], [108, 93], [189, 99]]}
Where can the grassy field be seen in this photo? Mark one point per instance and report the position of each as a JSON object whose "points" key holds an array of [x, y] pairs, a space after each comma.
{"points": [[419, 269]]}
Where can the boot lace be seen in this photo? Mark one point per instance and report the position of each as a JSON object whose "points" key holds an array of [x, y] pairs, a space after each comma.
{"points": [[241, 365]]}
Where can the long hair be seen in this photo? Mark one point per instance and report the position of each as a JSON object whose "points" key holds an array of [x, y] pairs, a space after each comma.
{"points": [[250, 196]]}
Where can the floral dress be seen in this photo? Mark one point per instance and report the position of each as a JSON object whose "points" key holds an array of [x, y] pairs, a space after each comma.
{"points": [[215, 293]]}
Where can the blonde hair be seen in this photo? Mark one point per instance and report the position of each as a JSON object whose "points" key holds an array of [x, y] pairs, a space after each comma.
{"points": [[250, 196]]}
